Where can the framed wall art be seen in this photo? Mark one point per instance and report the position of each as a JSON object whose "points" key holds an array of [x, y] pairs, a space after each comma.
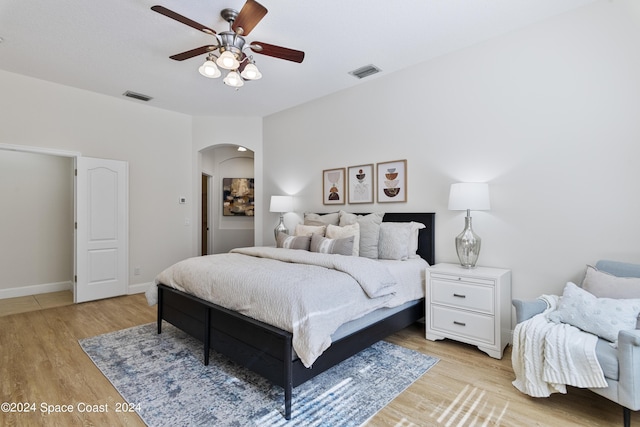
{"points": [[333, 187], [237, 197], [392, 181], [360, 181]]}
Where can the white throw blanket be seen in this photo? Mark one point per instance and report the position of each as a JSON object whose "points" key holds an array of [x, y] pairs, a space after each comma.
{"points": [[548, 356]]}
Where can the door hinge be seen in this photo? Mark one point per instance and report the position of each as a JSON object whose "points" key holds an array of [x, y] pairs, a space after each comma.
{"points": [[75, 278], [75, 225]]}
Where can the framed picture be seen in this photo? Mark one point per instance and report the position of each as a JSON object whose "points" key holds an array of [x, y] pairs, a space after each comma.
{"points": [[333, 189], [237, 197], [360, 181], [392, 181]]}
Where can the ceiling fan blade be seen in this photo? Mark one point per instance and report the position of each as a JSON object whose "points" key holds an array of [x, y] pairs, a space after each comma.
{"points": [[250, 14], [173, 15], [193, 52], [277, 51]]}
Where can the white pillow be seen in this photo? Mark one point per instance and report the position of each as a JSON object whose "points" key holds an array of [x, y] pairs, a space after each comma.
{"points": [[308, 230], [321, 219], [604, 317], [335, 232], [398, 240]]}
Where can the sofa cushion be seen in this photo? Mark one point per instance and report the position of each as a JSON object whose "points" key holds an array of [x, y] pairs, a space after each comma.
{"points": [[604, 317], [607, 356]]}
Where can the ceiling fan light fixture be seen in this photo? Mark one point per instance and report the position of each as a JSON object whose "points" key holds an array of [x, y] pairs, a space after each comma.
{"points": [[251, 72], [233, 79], [228, 61], [209, 69]]}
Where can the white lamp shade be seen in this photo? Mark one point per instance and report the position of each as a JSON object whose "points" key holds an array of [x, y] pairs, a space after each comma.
{"points": [[228, 61], [469, 195], [209, 69], [281, 204], [251, 72], [233, 79]]}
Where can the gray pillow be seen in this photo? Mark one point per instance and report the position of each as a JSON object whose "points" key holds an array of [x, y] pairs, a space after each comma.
{"points": [[332, 246], [605, 285], [293, 242], [604, 317], [369, 231]]}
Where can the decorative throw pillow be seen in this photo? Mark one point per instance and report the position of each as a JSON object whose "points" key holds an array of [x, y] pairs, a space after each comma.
{"points": [[335, 232], [308, 230], [369, 231], [398, 240], [293, 242], [604, 317], [321, 219], [332, 246], [605, 285]]}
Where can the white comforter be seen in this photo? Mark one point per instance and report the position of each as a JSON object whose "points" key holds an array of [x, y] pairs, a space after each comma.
{"points": [[306, 293], [548, 356]]}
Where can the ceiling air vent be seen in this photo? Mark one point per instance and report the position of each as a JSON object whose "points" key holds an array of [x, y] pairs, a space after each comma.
{"points": [[138, 96], [365, 71]]}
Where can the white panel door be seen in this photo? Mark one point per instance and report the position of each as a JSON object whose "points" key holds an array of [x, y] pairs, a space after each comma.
{"points": [[102, 231]]}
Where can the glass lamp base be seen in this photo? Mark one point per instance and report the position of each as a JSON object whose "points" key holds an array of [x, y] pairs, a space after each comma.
{"points": [[280, 228], [468, 245]]}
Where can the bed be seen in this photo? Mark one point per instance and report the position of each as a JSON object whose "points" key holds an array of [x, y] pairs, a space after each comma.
{"points": [[269, 350]]}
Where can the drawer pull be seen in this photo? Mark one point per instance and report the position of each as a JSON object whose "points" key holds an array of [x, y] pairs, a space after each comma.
{"points": [[459, 323], [459, 296]]}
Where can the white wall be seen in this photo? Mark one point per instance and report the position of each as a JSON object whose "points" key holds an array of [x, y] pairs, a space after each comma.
{"points": [[547, 115], [156, 143], [36, 230]]}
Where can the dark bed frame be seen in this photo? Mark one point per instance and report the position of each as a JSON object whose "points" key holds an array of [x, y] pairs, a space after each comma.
{"points": [[267, 350]]}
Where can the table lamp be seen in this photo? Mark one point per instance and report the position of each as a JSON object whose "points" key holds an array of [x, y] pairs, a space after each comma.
{"points": [[468, 196], [281, 204]]}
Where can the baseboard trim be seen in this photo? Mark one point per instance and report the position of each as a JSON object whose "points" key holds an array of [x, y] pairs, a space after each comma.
{"points": [[138, 288], [44, 288]]}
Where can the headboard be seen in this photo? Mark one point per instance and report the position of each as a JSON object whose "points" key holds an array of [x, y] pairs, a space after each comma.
{"points": [[426, 237]]}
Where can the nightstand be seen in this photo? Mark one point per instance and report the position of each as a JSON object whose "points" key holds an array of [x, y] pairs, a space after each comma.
{"points": [[469, 305]]}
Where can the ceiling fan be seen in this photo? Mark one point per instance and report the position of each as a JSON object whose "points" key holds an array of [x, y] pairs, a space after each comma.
{"points": [[229, 51]]}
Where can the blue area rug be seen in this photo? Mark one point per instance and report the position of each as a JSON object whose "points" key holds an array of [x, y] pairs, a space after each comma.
{"points": [[164, 376]]}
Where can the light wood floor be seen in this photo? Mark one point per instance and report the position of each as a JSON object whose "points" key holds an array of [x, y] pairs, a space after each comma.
{"points": [[42, 363], [35, 302]]}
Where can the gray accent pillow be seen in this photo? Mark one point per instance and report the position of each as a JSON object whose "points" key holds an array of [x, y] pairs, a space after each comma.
{"points": [[332, 246], [605, 285], [369, 231], [604, 317], [321, 219], [336, 232], [293, 242]]}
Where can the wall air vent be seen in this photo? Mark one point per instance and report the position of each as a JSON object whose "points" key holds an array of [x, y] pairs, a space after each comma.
{"points": [[137, 96], [365, 71]]}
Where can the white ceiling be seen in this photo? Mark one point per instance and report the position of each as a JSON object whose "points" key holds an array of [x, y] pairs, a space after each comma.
{"points": [[112, 46]]}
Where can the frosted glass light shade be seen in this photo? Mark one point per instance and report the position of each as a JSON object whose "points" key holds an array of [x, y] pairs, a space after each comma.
{"points": [[233, 79], [209, 69], [251, 72], [228, 61], [469, 196], [281, 204]]}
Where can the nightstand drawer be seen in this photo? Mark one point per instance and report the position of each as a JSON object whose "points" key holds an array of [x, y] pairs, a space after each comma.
{"points": [[471, 297], [470, 325]]}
